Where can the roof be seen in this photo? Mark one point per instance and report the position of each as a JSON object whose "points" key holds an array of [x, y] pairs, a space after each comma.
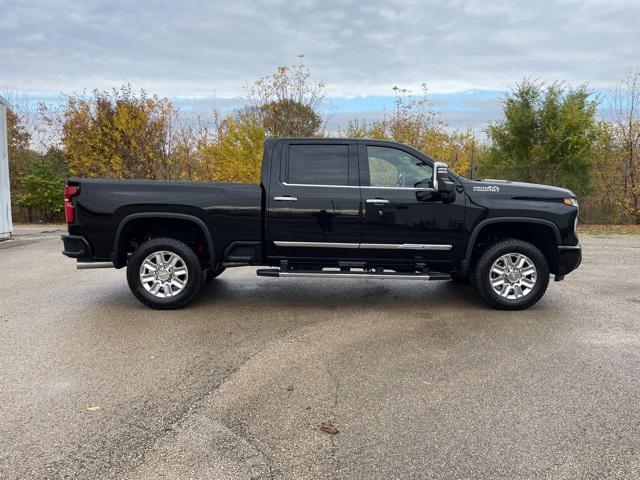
{"points": [[335, 139], [3, 101], [390, 143]]}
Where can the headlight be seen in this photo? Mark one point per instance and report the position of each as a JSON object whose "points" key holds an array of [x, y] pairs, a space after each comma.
{"points": [[573, 202]]}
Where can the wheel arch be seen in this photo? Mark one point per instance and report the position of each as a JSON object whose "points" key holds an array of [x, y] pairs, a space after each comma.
{"points": [[119, 256], [546, 236]]}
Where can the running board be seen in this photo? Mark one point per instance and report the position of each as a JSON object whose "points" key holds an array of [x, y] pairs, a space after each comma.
{"points": [[88, 265], [274, 272]]}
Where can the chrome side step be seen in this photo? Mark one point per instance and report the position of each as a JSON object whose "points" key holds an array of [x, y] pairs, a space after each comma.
{"points": [[89, 265], [274, 272]]}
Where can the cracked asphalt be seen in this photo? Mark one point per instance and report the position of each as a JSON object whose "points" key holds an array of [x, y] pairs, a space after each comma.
{"points": [[421, 380]]}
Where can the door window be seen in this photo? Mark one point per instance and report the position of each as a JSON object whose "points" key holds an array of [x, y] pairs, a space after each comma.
{"points": [[390, 167], [318, 164]]}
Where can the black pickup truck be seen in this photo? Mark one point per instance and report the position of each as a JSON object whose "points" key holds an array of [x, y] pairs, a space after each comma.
{"points": [[328, 208]]}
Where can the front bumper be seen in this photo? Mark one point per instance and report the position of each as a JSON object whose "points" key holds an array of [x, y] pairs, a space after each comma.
{"points": [[569, 258], [76, 247]]}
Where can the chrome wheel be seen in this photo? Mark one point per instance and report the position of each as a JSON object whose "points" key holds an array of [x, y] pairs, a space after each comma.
{"points": [[513, 276], [164, 274]]}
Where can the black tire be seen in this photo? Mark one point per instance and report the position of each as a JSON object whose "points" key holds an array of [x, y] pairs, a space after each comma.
{"points": [[480, 276], [191, 262], [211, 273]]}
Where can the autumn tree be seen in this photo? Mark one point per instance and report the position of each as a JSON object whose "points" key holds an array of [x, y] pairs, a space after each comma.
{"points": [[188, 143], [626, 121], [285, 104], [17, 135], [236, 152], [18, 143], [117, 133], [605, 203], [413, 121]]}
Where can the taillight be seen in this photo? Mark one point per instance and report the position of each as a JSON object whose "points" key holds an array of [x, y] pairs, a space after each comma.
{"points": [[70, 191]]}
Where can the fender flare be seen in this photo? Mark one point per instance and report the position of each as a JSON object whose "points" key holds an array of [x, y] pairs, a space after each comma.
{"points": [[478, 228], [179, 216]]}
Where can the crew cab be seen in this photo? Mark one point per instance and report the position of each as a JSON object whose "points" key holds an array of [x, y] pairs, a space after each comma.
{"points": [[330, 208]]}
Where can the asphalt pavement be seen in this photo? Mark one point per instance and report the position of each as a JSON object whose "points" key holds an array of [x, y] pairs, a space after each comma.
{"points": [[421, 380]]}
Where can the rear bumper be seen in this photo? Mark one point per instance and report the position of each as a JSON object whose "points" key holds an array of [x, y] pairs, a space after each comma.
{"points": [[569, 258], [76, 247]]}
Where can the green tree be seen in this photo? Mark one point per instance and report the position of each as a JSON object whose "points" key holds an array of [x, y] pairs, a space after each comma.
{"points": [[547, 136], [19, 140], [40, 187], [37, 180]]}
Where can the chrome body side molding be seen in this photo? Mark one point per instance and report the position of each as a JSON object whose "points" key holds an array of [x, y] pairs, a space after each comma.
{"points": [[376, 246], [279, 243], [406, 246]]}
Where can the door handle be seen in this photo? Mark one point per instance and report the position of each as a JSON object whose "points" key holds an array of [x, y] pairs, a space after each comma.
{"points": [[285, 199], [378, 201]]}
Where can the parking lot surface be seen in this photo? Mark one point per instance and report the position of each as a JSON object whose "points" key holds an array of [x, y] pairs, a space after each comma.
{"points": [[420, 379]]}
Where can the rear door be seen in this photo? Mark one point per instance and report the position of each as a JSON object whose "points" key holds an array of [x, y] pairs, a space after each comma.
{"points": [[314, 201], [403, 218]]}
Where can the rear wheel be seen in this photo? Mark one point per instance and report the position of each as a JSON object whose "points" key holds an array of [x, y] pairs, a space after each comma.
{"points": [[164, 273], [511, 275]]}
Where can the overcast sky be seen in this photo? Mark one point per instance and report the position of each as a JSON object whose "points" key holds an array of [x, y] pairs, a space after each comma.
{"points": [[359, 48]]}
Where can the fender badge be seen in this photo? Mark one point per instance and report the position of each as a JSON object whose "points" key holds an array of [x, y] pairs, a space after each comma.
{"points": [[487, 188]]}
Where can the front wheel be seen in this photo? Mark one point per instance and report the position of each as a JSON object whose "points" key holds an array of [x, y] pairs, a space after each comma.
{"points": [[164, 273], [511, 275]]}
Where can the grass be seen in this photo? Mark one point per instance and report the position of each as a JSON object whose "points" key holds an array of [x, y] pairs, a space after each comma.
{"points": [[608, 229]]}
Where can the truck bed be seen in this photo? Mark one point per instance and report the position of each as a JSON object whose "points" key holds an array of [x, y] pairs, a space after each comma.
{"points": [[232, 212]]}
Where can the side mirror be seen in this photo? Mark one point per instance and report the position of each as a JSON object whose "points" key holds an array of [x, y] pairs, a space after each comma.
{"points": [[441, 182], [427, 196]]}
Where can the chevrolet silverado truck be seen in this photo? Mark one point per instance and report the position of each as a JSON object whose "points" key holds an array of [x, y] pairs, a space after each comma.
{"points": [[329, 208]]}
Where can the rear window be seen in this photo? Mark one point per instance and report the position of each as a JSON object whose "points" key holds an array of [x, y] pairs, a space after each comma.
{"points": [[319, 164]]}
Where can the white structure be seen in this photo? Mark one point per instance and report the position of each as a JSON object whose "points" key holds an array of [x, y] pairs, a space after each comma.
{"points": [[6, 226]]}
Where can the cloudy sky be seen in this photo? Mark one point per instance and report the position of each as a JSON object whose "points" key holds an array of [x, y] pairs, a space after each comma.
{"points": [[466, 51]]}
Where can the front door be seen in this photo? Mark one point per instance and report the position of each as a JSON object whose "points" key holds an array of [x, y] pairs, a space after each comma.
{"points": [[403, 218], [314, 202]]}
